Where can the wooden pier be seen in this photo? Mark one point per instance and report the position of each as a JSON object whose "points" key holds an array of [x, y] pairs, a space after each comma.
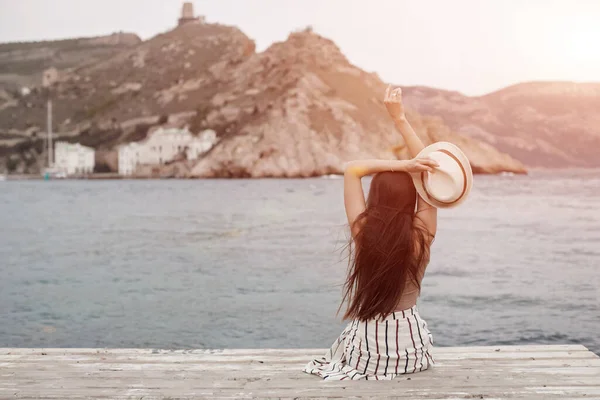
{"points": [[498, 372]]}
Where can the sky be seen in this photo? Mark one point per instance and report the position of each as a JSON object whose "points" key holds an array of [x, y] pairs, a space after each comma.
{"points": [[472, 46]]}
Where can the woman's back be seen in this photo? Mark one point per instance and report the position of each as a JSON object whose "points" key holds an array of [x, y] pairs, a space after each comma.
{"points": [[410, 294], [389, 249]]}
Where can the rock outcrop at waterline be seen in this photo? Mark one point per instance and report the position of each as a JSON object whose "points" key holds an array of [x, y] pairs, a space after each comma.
{"points": [[297, 109], [543, 124]]}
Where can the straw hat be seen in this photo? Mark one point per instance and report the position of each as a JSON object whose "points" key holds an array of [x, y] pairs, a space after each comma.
{"points": [[450, 183]]}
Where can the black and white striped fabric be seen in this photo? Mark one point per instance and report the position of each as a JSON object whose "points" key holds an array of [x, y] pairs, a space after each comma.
{"points": [[378, 349]]}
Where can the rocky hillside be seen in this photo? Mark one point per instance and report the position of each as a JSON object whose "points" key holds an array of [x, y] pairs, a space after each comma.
{"points": [[301, 109], [548, 124], [22, 63], [138, 82], [297, 109]]}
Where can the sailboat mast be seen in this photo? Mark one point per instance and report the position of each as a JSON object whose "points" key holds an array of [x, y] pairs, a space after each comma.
{"points": [[48, 79], [49, 122]]}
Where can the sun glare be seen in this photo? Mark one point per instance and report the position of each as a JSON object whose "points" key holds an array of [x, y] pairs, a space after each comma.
{"points": [[582, 43], [577, 46]]}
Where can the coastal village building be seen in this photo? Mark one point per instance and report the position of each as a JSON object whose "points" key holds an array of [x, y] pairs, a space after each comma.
{"points": [[74, 159], [164, 145]]}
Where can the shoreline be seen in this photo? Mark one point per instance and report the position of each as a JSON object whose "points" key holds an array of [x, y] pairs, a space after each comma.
{"points": [[116, 176]]}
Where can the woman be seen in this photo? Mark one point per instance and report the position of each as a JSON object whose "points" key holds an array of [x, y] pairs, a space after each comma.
{"points": [[391, 235]]}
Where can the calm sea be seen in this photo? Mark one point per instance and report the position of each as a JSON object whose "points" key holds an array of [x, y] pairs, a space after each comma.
{"points": [[250, 264]]}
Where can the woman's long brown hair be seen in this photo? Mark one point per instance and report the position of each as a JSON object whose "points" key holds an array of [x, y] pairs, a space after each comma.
{"points": [[388, 251]]}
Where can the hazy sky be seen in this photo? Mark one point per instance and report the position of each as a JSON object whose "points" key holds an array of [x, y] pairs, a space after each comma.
{"points": [[474, 46]]}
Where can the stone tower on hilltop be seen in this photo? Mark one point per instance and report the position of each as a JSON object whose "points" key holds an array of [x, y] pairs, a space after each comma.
{"points": [[187, 14]]}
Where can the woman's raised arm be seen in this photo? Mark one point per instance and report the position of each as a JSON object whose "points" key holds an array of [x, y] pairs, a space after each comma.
{"points": [[426, 214], [393, 103]]}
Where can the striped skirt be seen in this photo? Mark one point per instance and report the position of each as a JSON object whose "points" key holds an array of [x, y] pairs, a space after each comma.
{"points": [[378, 349]]}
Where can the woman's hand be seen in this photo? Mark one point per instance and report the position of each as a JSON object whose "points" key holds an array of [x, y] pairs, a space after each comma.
{"points": [[422, 164], [393, 103]]}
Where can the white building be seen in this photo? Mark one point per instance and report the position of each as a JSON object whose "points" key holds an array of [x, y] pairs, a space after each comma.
{"points": [[74, 159], [129, 158], [162, 146], [200, 145]]}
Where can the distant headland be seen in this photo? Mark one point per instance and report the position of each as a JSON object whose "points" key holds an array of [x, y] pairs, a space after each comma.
{"points": [[199, 101]]}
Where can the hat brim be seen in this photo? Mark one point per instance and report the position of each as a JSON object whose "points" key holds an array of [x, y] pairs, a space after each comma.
{"points": [[465, 165]]}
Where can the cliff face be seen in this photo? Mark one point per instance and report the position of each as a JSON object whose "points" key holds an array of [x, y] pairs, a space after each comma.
{"points": [[297, 109], [549, 124], [301, 109]]}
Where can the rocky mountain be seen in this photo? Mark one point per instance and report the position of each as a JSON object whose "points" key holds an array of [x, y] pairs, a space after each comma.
{"points": [[22, 63], [138, 82], [297, 109], [301, 109], [547, 124]]}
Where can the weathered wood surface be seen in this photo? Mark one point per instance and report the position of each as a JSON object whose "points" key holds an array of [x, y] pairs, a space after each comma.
{"points": [[499, 372]]}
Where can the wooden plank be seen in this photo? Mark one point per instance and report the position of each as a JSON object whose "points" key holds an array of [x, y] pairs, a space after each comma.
{"points": [[282, 361], [218, 358], [350, 392], [247, 366], [498, 373], [303, 352], [528, 396], [510, 381], [475, 381], [117, 372], [320, 392], [488, 365]]}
